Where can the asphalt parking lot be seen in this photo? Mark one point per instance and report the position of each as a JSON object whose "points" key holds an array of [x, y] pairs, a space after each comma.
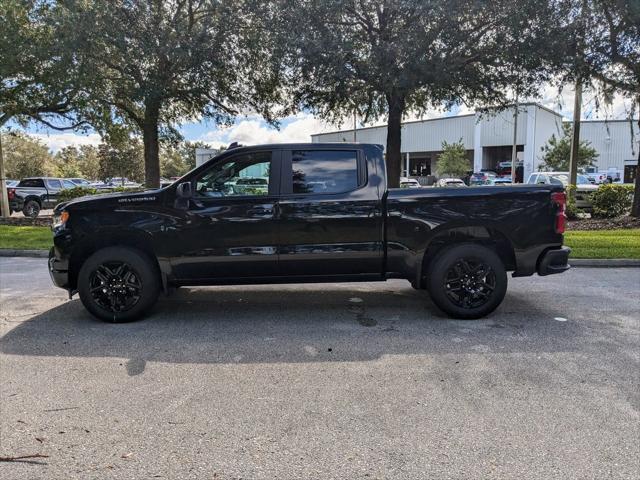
{"points": [[323, 381]]}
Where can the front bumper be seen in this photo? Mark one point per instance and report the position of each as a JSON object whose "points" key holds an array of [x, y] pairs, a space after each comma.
{"points": [[554, 261], [58, 270]]}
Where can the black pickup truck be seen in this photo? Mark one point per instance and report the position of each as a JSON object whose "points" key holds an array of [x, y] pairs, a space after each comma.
{"points": [[33, 194], [320, 213]]}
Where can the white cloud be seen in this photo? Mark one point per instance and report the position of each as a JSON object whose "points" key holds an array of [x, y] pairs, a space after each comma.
{"points": [[58, 141], [593, 106], [253, 130]]}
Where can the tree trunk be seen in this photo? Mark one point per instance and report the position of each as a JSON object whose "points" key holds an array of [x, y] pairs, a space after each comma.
{"points": [[635, 208], [4, 198], [396, 105], [151, 147]]}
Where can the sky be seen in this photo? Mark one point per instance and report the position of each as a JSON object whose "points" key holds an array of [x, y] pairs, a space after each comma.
{"points": [[252, 129]]}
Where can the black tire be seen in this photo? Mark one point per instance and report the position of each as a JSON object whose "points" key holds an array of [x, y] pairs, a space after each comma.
{"points": [[467, 281], [31, 209], [118, 284]]}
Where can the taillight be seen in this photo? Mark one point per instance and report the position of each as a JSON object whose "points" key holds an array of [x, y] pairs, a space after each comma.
{"points": [[560, 199], [11, 193]]}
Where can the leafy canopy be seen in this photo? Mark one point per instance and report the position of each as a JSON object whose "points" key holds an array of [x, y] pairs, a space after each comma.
{"points": [[557, 151], [453, 162], [383, 58], [26, 156], [154, 64]]}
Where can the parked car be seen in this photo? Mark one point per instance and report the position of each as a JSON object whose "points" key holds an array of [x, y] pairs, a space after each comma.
{"points": [[409, 183], [482, 178], [33, 194], [80, 182], [611, 175], [503, 169], [450, 182], [259, 186], [502, 181], [119, 251], [12, 183], [584, 187]]}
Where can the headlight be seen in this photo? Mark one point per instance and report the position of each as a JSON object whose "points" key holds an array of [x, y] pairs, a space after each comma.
{"points": [[60, 219]]}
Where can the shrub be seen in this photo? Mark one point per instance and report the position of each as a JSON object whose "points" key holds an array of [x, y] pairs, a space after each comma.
{"points": [[571, 211], [71, 193], [611, 200]]}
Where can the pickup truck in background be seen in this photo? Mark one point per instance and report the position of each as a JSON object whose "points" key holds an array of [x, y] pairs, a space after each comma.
{"points": [[584, 188], [325, 214], [34, 194]]}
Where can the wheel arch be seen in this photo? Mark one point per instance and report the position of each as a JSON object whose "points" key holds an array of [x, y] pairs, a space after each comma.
{"points": [[35, 198], [487, 236], [131, 238]]}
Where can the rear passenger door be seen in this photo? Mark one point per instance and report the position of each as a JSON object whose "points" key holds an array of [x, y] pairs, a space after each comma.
{"points": [[330, 217], [53, 188]]}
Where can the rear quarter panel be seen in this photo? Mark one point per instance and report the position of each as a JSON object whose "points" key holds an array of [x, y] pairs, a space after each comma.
{"points": [[524, 214]]}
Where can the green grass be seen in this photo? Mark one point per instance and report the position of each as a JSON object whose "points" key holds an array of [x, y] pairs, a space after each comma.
{"points": [[604, 243], [25, 238], [584, 244]]}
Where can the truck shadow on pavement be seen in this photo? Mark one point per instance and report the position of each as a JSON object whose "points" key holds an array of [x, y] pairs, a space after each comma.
{"points": [[307, 324]]}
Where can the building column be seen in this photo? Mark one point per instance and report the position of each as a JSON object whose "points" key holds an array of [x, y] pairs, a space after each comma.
{"points": [[477, 144], [407, 165], [529, 154]]}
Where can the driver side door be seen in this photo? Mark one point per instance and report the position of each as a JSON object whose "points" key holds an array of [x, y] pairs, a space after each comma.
{"points": [[230, 228]]}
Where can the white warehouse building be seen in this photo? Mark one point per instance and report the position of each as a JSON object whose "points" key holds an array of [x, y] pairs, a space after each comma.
{"points": [[488, 139]]}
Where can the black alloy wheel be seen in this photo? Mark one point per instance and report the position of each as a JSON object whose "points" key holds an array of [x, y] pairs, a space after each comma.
{"points": [[466, 280], [115, 286], [119, 284], [469, 284], [31, 209]]}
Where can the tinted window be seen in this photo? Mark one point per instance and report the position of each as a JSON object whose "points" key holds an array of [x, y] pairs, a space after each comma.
{"points": [[55, 184], [32, 182], [243, 175], [324, 171]]}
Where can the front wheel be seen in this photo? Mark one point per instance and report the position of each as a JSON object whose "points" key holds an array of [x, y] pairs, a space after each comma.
{"points": [[467, 281], [118, 284]]}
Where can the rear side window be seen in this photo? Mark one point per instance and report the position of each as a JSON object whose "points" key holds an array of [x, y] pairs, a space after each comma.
{"points": [[31, 183], [324, 171]]}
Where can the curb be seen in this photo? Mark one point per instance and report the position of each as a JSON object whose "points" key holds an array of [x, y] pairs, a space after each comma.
{"points": [[574, 262], [7, 252], [604, 263]]}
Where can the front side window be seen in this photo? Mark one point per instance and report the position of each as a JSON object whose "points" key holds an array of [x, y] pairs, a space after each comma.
{"points": [[68, 184], [244, 175], [324, 171]]}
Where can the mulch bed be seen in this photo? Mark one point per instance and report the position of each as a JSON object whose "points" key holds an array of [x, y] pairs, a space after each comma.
{"points": [[604, 223], [42, 221]]}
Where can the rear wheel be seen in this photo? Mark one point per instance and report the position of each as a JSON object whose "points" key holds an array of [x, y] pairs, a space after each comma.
{"points": [[467, 281], [31, 209], [118, 284]]}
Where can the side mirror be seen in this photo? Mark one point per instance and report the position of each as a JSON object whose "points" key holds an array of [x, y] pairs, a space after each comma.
{"points": [[184, 193], [184, 190]]}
